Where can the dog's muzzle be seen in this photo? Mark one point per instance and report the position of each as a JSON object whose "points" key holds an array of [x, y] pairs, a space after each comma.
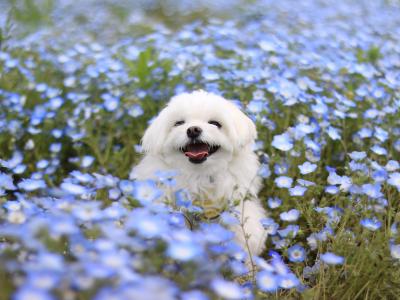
{"points": [[198, 151]]}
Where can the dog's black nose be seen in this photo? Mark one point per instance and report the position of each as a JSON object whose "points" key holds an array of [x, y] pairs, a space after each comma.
{"points": [[193, 132]]}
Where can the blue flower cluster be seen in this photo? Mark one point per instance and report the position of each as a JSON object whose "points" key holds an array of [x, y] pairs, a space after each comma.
{"points": [[321, 79]]}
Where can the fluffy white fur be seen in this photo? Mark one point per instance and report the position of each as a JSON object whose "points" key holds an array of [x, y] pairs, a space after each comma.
{"points": [[227, 176]]}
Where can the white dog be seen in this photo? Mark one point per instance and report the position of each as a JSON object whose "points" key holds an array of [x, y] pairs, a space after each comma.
{"points": [[208, 140]]}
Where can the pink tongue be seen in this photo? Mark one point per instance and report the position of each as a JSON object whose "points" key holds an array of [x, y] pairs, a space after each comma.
{"points": [[197, 151]]}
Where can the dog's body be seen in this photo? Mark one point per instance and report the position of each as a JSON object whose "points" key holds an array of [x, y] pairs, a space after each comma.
{"points": [[208, 140]]}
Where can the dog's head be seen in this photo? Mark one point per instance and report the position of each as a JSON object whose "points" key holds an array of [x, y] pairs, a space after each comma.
{"points": [[197, 128]]}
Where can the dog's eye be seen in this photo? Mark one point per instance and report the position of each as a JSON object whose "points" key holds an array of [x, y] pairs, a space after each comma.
{"points": [[178, 123], [216, 123]]}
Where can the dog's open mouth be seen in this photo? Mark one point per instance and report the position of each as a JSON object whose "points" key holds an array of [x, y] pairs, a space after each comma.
{"points": [[199, 151]]}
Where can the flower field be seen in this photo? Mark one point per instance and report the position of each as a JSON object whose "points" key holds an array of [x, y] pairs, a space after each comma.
{"points": [[79, 82]]}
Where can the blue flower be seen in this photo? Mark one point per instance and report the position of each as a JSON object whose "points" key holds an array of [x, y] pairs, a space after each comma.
{"points": [[332, 259], [288, 281], [73, 189], [355, 155], [334, 133], [267, 281], [270, 226], [282, 142], [274, 202], [395, 251], [264, 171], [146, 224], [296, 253], [146, 191], [307, 168], [290, 231], [194, 295], [281, 169], [135, 111], [111, 103], [378, 150], [371, 224], [297, 190], [30, 293], [372, 190], [392, 165], [227, 289], [87, 161], [30, 185], [283, 181], [184, 250], [255, 106], [290, 216], [394, 179], [6, 182]]}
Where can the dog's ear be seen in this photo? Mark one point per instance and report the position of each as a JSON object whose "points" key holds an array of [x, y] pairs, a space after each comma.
{"points": [[154, 135], [245, 129]]}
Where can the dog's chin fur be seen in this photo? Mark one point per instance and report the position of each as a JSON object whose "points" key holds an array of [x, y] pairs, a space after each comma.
{"points": [[227, 175]]}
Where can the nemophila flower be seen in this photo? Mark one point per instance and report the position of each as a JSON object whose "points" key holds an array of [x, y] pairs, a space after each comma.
{"points": [[283, 181], [126, 186], [282, 142], [13, 162], [290, 216], [82, 177], [378, 150], [270, 226], [227, 289], [87, 161], [228, 218], [332, 189], [358, 167], [371, 224], [357, 155], [394, 180], [395, 251], [278, 264], [74, 189], [288, 281], [296, 253], [379, 175], [290, 231], [331, 258], [135, 111], [6, 182], [184, 250], [146, 191], [111, 102], [30, 293], [55, 147], [215, 233], [381, 134], [372, 190], [114, 193], [307, 168], [167, 177], [274, 202], [267, 281], [281, 169], [194, 295], [264, 171], [87, 211], [392, 165], [297, 190], [333, 133], [30, 185], [146, 224], [255, 106], [42, 279]]}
